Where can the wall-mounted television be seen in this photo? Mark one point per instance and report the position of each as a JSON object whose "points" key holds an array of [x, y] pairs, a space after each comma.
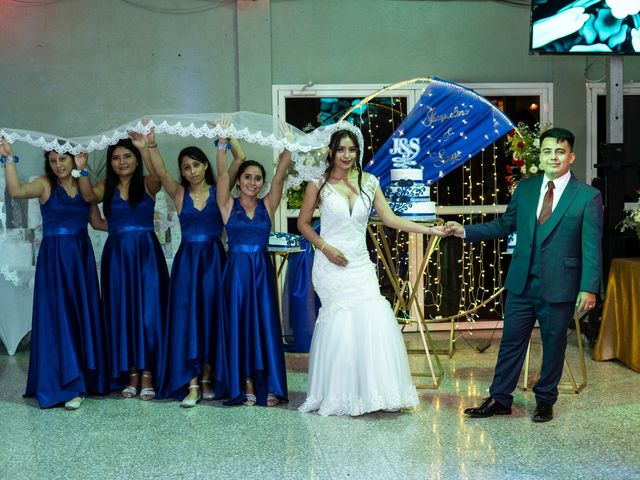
{"points": [[585, 27]]}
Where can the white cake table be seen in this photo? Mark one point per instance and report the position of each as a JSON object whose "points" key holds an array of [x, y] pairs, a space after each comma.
{"points": [[15, 313]]}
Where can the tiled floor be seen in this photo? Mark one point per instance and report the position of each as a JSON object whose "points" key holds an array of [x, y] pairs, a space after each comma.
{"points": [[595, 434]]}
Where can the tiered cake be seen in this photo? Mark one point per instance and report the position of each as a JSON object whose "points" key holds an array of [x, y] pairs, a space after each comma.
{"points": [[408, 195]]}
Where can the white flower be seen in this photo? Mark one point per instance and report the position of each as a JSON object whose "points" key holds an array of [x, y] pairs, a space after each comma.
{"points": [[621, 8], [309, 161], [536, 142], [296, 187], [533, 169]]}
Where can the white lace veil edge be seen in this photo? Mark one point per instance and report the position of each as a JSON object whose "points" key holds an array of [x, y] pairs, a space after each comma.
{"points": [[310, 164], [248, 126], [308, 149]]}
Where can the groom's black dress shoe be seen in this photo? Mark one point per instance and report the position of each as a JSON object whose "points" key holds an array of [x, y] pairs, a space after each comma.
{"points": [[488, 408], [543, 412]]}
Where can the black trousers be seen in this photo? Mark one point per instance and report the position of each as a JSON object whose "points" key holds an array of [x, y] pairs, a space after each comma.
{"points": [[521, 313]]}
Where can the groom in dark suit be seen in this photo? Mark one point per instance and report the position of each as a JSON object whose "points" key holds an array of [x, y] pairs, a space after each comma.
{"points": [[555, 268]]}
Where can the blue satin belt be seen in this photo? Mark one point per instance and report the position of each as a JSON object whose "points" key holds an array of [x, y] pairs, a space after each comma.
{"points": [[63, 231], [247, 248], [131, 228], [200, 238]]}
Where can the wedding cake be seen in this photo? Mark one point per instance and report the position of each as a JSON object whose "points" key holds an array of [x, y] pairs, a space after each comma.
{"points": [[283, 241], [408, 196]]}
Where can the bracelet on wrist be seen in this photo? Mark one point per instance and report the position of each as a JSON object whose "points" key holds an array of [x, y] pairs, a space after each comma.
{"points": [[222, 146], [152, 145], [75, 173], [5, 160], [324, 244]]}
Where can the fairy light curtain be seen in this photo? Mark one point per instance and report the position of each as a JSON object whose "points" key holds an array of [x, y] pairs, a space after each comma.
{"points": [[448, 126]]}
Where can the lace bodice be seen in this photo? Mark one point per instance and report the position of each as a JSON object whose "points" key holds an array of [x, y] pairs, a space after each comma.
{"points": [[63, 211], [344, 229], [357, 362], [207, 221], [241, 230], [123, 216]]}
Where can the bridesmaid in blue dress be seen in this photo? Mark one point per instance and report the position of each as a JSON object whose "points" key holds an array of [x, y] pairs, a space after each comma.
{"points": [[67, 359], [252, 337], [134, 273], [195, 289]]}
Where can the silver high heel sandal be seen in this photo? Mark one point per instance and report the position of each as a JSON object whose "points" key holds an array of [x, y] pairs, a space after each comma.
{"points": [[188, 403], [147, 393], [130, 391], [74, 403], [207, 395]]}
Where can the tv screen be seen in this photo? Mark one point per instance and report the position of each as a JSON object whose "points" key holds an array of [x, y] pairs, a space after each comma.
{"points": [[585, 27]]}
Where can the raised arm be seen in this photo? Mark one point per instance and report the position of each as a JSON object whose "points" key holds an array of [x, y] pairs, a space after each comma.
{"points": [[392, 220], [239, 156], [151, 180], [272, 199], [223, 183], [90, 193], [173, 188], [38, 188]]}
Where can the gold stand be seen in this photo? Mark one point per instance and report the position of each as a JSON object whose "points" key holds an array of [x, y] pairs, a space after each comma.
{"points": [[402, 287], [568, 386], [452, 320]]}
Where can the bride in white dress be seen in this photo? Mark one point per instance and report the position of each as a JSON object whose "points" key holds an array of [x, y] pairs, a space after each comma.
{"points": [[358, 362]]}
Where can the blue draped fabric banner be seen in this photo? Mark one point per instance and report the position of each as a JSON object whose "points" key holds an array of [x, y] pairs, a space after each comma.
{"points": [[448, 126]]}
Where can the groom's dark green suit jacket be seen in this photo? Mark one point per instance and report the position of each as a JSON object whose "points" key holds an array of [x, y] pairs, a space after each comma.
{"points": [[570, 250]]}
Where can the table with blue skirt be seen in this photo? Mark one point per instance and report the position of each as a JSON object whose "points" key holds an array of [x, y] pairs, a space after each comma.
{"points": [[297, 300]]}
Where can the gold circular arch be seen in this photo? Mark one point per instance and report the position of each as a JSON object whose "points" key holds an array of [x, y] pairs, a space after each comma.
{"points": [[395, 86], [365, 101]]}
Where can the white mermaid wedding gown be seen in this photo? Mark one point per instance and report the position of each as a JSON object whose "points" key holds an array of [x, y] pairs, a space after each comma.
{"points": [[358, 361]]}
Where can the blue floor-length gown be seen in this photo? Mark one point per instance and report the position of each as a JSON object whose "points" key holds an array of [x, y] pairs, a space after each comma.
{"points": [[195, 297], [68, 348], [252, 332], [135, 283]]}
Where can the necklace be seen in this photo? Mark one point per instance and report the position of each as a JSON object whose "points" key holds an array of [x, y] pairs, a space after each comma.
{"points": [[198, 200]]}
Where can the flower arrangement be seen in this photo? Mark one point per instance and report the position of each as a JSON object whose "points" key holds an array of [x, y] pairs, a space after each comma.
{"points": [[632, 219], [295, 196], [523, 143]]}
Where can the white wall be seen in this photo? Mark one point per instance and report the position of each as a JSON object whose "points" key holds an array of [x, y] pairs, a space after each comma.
{"points": [[74, 67]]}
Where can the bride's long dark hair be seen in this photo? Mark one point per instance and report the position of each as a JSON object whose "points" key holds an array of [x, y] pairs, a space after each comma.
{"points": [[334, 143]]}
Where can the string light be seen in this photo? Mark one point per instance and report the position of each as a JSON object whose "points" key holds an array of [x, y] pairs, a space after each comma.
{"points": [[480, 266]]}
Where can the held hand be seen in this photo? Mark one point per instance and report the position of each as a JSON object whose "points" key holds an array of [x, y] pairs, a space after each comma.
{"points": [[150, 138], [585, 302], [454, 228], [224, 123], [334, 255], [137, 139], [81, 160], [5, 148], [286, 132], [437, 231]]}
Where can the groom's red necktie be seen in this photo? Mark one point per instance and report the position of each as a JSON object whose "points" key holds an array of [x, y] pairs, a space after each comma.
{"points": [[547, 203]]}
